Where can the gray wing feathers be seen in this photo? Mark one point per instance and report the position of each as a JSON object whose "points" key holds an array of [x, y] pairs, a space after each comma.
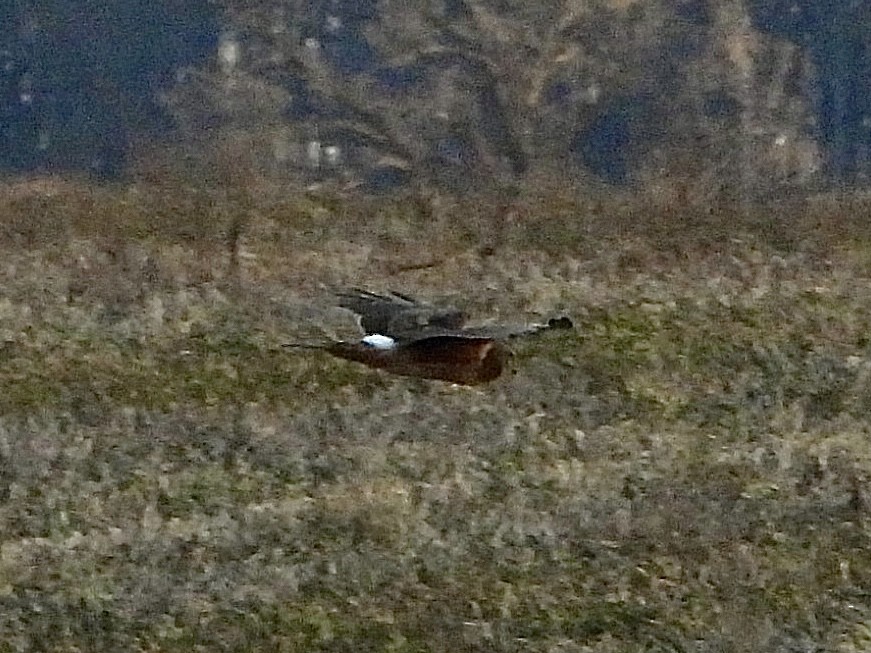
{"points": [[403, 318], [397, 315], [497, 332]]}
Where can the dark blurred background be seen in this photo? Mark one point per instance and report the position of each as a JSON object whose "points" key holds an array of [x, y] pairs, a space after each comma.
{"points": [[80, 79], [748, 98]]}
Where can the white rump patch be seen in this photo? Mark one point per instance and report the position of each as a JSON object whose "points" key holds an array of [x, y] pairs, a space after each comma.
{"points": [[378, 341]]}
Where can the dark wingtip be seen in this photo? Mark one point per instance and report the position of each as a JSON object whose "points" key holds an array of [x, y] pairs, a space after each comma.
{"points": [[354, 293], [404, 297], [560, 323]]}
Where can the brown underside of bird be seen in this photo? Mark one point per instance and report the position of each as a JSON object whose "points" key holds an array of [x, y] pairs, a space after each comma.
{"points": [[462, 360]]}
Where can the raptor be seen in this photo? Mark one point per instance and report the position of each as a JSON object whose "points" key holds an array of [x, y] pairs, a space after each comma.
{"points": [[412, 338]]}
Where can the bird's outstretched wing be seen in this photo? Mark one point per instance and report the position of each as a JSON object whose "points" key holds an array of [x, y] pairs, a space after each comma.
{"points": [[508, 332], [399, 316]]}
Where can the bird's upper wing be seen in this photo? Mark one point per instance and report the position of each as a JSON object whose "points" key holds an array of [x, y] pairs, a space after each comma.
{"points": [[399, 316], [502, 332]]}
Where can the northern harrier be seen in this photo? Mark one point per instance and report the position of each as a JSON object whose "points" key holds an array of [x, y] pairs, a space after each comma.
{"points": [[411, 338]]}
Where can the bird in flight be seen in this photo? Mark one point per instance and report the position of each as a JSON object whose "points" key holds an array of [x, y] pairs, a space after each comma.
{"points": [[412, 338]]}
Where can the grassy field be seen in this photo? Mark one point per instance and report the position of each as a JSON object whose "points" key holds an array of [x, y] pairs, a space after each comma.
{"points": [[687, 470]]}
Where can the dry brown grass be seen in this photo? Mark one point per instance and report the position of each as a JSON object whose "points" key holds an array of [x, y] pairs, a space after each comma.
{"points": [[687, 471]]}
